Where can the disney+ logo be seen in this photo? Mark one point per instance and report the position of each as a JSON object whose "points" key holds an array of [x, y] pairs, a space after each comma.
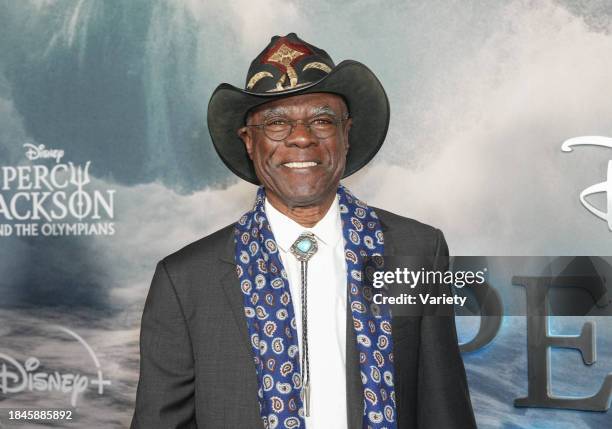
{"points": [[602, 187], [33, 376]]}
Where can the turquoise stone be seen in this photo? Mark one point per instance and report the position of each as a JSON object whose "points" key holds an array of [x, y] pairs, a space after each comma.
{"points": [[304, 245]]}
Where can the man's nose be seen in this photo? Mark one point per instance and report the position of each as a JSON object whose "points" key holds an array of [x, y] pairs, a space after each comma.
{"points": [[301, 136]]}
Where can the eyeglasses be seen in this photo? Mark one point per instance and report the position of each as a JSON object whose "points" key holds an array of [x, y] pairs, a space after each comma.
{"points": [[280, 128]]}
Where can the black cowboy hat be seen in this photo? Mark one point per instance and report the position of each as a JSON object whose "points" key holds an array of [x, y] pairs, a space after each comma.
{"points": [[289, 66]]}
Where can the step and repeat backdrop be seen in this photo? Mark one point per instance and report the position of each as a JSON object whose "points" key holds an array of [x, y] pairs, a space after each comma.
{"points": [[499, 135]]}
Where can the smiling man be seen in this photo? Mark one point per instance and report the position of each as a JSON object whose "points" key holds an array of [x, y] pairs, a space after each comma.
{"points": [[267, 323], [300, 166]]}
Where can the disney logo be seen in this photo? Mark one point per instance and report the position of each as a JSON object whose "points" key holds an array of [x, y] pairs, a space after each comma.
{"points": [[16, 378], [37, 152], [602, 187]]}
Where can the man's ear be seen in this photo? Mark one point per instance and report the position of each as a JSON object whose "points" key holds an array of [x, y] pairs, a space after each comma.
{"points": [[247, 139], [347, 128]]}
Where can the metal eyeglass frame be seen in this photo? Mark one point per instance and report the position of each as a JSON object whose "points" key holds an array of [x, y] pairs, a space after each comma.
{"points": [[294, 124]]}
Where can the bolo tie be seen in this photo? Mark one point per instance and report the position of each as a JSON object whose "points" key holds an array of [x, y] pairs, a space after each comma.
{"points": [[303, 248]]}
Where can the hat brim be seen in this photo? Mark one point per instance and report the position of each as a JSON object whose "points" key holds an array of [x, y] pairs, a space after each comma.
{"points": [[364, 94]]}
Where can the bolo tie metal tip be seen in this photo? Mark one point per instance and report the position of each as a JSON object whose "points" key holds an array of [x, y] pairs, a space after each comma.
{"points": [[307, 399]]}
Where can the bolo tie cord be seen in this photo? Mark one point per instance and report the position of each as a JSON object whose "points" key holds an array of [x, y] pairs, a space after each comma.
{"points": [[305, 359]]}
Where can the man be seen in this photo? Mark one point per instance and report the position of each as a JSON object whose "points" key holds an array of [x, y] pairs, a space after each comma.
{"points": [[268, 322]]}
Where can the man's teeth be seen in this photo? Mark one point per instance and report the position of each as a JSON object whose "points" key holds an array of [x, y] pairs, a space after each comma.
{"points": [[300, 164]]}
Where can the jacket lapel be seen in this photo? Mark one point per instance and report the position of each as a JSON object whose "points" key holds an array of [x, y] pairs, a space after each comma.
{"points": [[235, 298], [231, 288]]}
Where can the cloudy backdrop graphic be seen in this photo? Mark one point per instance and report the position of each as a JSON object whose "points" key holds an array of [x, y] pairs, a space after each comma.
{"points": [[482, 95]]}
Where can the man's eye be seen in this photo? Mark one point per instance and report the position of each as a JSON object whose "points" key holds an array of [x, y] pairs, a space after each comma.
{"points": [[277, 122], [321, 121]]}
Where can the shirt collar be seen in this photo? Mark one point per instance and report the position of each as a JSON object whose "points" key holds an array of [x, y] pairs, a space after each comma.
{"points": [[328, 230]]}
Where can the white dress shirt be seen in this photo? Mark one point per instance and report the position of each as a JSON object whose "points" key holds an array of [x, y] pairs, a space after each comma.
{"points": [[326, 311]]}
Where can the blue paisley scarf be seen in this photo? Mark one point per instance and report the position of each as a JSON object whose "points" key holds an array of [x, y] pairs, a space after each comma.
{"points": [[271, 320]]}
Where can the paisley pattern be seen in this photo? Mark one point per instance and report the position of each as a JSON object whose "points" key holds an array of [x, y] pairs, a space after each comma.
{"points": [[270, 316]]}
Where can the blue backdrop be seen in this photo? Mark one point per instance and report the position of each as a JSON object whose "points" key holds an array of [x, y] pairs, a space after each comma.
{"points": [[482, 96]]}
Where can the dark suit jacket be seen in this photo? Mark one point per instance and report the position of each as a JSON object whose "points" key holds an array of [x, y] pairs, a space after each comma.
{"points": [[196, 365]]}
